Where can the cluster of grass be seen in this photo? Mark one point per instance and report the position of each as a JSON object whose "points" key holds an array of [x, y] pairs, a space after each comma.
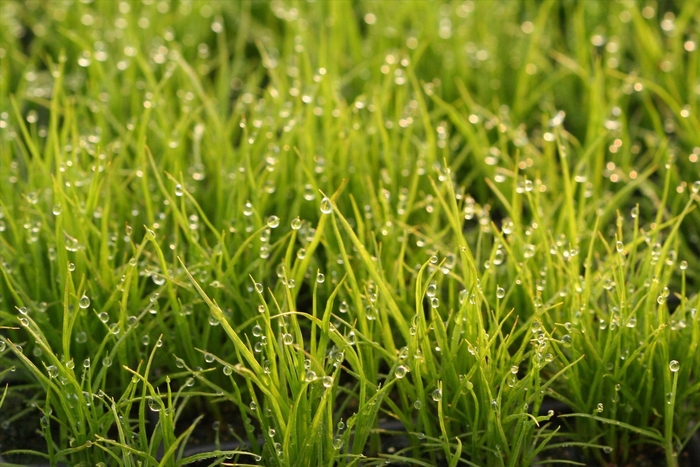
{"points": [[348, 233]]}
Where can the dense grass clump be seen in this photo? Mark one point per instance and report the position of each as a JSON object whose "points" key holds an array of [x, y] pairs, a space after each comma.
{"points": [[339, 233]]}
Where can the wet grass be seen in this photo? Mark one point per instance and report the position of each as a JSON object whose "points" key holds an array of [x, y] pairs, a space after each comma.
{"points": [[307, 233]]}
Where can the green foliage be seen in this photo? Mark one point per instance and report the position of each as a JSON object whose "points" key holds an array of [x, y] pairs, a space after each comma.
{"points": [[349, 233]]}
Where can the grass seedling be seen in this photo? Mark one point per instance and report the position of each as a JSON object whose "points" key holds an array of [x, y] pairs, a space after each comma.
{"points": [[348, 234]]}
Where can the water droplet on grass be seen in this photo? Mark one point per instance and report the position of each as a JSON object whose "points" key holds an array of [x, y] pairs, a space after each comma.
{"points": [[84, 302], [287, 339], [500, 292], [326, 206], [209, 358], [674, 366], [81, 337], [107, 362], [153, 405], [310, 376], [103, 316], [178, 190], [327, 381], [437, 395], [273, 222], [400, 371], [247, 209], [320, 277], [56, 210], [296, 223]]}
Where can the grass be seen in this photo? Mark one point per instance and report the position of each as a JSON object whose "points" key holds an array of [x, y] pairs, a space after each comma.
{"points": [[348, 233]]}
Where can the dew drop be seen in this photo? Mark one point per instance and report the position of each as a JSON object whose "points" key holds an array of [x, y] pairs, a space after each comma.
{"points": [[273, 222], [84, 302], [209, 358], [500, 292], [327, 381], [296, 223], [320, 277], [56, 210], [287, 339], [81, 337], [153, 405], [326, 206], [674, 366], [247, 209], [400, 371], [178, 190], [437, 395]]}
